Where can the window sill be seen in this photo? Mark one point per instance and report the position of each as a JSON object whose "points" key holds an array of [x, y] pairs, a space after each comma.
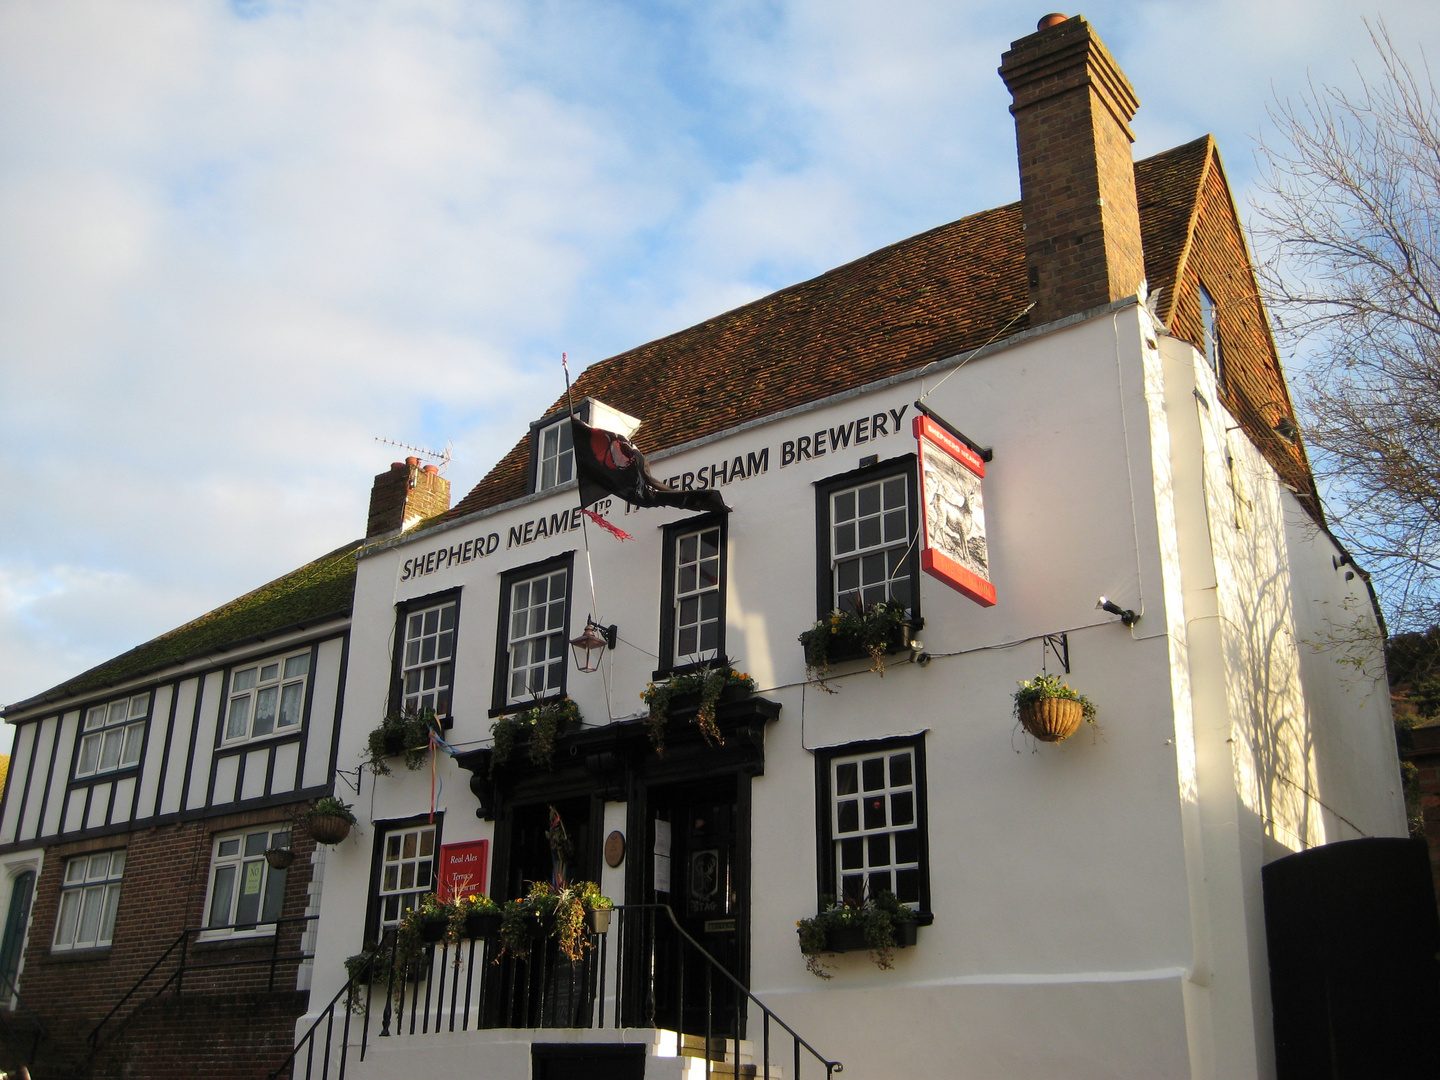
{"points": [[71, 956], [521, 706], [221, 939], [94, 778], [718, 661], [261, 740]]}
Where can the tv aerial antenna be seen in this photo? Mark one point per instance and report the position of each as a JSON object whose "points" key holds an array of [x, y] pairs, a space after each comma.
{"points": [[441, 458]]}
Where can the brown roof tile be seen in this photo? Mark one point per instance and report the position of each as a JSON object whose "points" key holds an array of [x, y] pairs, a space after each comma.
{"points": [[925, 298]]}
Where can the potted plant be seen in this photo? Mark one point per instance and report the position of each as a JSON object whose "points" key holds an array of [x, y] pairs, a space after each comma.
{"points": [[329, 820], [706, 687], [474, 916], [880, 924], [540, 725], [427, 922], [569, 915], [1050, 710], [848, 635], [405, 733]]}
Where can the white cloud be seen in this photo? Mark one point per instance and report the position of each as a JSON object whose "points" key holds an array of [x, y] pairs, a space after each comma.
{"points": [[239, 241]]}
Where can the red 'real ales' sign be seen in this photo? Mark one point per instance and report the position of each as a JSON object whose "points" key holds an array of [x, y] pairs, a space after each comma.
{"points": [[954, 548], [462, 870]]}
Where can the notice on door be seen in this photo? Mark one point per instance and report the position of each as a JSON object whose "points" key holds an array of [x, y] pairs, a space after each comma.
{"points": [[662, 856]]}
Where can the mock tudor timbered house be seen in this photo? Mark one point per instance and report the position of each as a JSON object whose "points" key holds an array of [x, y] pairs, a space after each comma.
{"points": [[1098, 360], [146, 792]]}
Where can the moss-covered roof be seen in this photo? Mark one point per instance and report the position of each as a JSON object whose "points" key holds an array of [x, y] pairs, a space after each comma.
{"points": [[320, 590]]}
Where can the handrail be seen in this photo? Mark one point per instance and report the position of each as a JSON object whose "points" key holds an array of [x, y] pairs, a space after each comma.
{"points": [[181, 942], [830, 1066], [328, 1016], [11, 992]]}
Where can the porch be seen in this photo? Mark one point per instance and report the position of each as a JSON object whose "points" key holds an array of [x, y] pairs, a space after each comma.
{"points": [[643, 1000]]}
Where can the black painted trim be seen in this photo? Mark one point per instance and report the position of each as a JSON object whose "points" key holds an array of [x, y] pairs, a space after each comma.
{"points": [[169, 742], [339, 711], [49, 778], [198, 814], [403, 610], [371, 926], [305, 726], [29, 775], [194, 735], [499, 697], [824, 841], [672, 534], [824, 585]]}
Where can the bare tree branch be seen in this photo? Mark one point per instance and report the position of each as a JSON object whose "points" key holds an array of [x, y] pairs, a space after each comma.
{"points": [[1353, 221]]}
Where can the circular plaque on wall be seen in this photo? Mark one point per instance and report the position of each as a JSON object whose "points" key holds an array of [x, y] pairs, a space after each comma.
{"points": [[614, 849]]}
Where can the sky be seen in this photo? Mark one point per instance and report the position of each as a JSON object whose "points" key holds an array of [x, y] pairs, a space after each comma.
{"points": [[240, 241]]}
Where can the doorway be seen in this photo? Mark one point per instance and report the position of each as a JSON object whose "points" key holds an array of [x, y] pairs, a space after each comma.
{"points": [[699, 867]]}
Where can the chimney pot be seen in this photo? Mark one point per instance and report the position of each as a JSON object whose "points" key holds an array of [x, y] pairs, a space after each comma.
{"points": [[433, 470], [397, 464], [413, 462], [1053, 19]]}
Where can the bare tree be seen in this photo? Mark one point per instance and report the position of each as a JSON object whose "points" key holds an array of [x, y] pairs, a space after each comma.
{"points": [[1351, 210]]}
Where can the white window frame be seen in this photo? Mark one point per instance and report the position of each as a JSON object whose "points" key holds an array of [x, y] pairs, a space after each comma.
{"points": [[849, 547], [274, 680], [866, 846], [554, 455], [232, 857], [427, 657], [533, 625], [119, 724], [698, 582], [406, 873], [90, 886]]}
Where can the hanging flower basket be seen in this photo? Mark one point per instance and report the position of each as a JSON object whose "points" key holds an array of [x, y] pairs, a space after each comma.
{"points": [[329, 820], [1049, 710], [281, 858]]}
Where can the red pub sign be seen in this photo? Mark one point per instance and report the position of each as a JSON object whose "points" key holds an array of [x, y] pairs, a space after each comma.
{"points": [[462, 869], [954, 548]]}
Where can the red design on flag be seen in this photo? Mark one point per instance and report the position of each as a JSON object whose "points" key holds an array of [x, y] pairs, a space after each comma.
{"points": [[612, 529]]}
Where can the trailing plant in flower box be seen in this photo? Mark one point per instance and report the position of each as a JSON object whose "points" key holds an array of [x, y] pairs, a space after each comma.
{"points": [[558, 913], [880, 922], [874, 631], [405, 733], [541, 725], [707, 684]]}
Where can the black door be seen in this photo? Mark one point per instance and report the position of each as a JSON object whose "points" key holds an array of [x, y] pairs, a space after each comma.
{"points": [[696, 868], [15, 923]]}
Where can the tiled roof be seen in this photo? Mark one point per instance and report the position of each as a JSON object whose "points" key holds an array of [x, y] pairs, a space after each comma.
{"points": [[319, 590], [926, 298]]}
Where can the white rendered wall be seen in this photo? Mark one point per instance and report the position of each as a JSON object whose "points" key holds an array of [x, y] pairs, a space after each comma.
{"points": [[1095, 900]]}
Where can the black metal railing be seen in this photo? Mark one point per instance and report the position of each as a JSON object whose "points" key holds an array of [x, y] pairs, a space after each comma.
{"points": [[23, 1039], [643, 970], [179, 961]]}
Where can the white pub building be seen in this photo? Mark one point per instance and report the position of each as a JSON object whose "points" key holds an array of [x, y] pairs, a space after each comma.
{"points": [[1084, 908]]}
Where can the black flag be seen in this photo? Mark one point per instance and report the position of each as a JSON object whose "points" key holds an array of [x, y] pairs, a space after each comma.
{"points": [[609, 464]]}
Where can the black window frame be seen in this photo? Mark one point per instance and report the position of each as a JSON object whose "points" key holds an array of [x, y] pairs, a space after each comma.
{"points": [[824, 579], [671, 537], [500, 704], [826, 880], [377, 862], [403, 610]]}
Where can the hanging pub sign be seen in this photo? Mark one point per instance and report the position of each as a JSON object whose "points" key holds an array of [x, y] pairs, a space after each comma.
{"points": [[954, 520], [462, 870]]}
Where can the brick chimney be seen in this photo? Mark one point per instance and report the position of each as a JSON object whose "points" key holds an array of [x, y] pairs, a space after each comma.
{"points": [[1072, 111], [406, 494]]}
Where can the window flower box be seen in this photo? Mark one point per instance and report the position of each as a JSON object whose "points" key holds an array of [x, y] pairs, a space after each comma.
{"points": [[698, 694], [536, 730], [879, 631]]}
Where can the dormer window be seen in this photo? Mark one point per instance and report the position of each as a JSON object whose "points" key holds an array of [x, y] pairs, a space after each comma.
{"points": [[555, 463], [1210, 329], [552, 450]]}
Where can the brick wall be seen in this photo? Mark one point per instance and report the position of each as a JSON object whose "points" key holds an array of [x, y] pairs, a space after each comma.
{"points": [[1072, 111], [407, 493], [163, 892]]}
